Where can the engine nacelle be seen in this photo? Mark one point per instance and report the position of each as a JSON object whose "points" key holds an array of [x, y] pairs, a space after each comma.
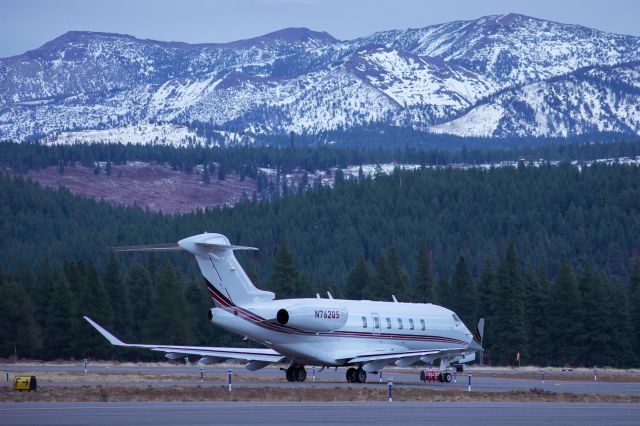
{"points": [[313, 318]]}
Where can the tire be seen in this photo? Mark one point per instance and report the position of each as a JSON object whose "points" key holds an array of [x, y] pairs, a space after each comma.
{"points": [[361, 375], [447, 377], [351, 375], [440, 377], [290, 375], [301, 375]]}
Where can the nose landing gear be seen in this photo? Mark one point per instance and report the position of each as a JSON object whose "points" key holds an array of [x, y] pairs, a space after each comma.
{"points": [[356, 375]]}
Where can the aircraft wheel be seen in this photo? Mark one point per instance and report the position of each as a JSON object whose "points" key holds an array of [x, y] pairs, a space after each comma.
{"points": [[290, 373], [361, 375], [447, 377], [301, 374], [351, 375], [440, 377]]}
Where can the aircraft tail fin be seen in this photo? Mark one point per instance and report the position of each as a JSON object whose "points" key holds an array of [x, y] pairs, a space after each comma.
{"points": [[227, 282]]}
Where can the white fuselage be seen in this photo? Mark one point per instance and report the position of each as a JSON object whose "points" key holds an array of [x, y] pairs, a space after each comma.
{"points": [[370, 327]]}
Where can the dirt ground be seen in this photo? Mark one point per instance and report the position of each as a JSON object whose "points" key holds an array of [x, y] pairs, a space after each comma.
{"points": [[111, 390], [239, 393], [153, 186]]}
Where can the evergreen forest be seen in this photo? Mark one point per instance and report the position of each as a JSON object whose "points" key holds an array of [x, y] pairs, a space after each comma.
{"points": [[549, 255]]}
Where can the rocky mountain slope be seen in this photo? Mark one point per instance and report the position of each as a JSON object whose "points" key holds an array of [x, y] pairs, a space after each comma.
{"points": [[501, 76]]}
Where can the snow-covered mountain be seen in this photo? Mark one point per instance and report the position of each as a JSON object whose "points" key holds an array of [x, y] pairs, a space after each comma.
{"points": [[507, 75]]}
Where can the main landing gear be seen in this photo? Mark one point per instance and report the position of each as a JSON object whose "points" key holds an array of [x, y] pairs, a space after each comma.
{"points": [[356, 375], [296, 373]]}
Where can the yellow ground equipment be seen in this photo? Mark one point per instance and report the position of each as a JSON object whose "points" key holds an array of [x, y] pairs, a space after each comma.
{"points": [[27, 383]]}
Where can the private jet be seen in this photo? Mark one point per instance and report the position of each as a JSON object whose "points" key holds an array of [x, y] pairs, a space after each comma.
{"points": [[362, 335]]}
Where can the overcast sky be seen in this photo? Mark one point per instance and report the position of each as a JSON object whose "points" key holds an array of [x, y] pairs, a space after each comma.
{"points": [[27, 24]]}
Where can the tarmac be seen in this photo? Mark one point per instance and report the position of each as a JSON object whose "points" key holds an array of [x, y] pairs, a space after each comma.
{"points": [[376, 413], [329, 378]]}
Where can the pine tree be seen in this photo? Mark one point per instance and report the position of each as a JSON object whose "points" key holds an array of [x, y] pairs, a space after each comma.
{"points": [[536, 315], [58, 341], [44, 288], [357, 281], [464, 299], [198, 303], [19, 332], [73, 275], [139, 284], [508, 329], [167, 320], [486, 285], [94, 303], [621, 351], [634, 309], [596, 302], [565, 319], [423, 287], [304, 287], [398, 279], [379, 287], [443, 295], [118, 293], [285, 277]]}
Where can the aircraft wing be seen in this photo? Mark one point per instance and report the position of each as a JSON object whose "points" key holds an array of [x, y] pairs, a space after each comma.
{"points": [[395, 355], [258, 357], [374, 360]]}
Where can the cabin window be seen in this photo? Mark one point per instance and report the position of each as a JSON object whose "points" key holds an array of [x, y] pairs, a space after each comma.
{"points": [[423, 325], [364, 322], [400, 323], [411, 324], [376, 322], [388, 322]]}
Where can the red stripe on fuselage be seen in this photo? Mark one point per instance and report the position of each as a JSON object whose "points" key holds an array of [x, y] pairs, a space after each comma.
{"points": [[261, 322]]}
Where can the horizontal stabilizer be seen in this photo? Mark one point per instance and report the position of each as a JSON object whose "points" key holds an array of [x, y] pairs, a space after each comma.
{"points": [[224, 246], [176, 246], [150, 247]]}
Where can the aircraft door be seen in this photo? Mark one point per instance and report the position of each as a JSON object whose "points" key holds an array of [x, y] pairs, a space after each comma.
{"points": [[376, 323]]}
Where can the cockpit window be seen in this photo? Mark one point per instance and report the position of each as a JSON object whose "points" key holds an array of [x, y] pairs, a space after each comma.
{"points": [[455, 318]]}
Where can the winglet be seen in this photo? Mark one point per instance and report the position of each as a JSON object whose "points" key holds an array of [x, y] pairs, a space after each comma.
{"points": [[476, 342], [110, 337]]}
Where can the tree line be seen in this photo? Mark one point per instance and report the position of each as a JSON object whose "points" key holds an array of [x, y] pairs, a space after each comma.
{"points": [[577, 320], [245, 160], [583, 224]]}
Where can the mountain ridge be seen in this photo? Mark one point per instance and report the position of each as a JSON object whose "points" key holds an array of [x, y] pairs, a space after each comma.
{"points": [[307, 81]]}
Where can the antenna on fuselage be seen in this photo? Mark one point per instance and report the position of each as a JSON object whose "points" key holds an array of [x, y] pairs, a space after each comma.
{"points": [[393, 296], [329, 294], [317, 295]]}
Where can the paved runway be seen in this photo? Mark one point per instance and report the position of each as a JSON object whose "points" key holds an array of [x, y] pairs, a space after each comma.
{"points": [[153, 413], [271, 376]]}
